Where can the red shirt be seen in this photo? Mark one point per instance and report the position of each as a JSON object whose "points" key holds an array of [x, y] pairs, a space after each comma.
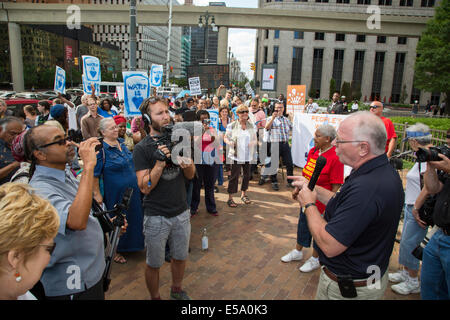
{"points": [[390, 130], [332, 173]]}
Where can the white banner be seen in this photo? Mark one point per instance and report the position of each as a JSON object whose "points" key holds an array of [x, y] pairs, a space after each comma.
{"points": [[304, 127], [136, 89], [249, 89], [156, 75], [194, 86], [60, 80]]}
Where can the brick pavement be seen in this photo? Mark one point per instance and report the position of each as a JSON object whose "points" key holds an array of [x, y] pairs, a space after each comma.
{"points": [[243, 260]]}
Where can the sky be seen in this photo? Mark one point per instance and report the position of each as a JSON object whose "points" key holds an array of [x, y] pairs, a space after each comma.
{"points": [[241, 41]]}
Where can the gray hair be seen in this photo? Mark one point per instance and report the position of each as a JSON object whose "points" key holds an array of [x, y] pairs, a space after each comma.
{"points": [[7, 120], [420, 127], [103, 124], [84, 98], [370, 128], [328, 131]]}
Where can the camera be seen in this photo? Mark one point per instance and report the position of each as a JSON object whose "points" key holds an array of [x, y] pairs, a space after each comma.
{"points": [[431, 154], [418, 251], [426, 210], [75, 135]]}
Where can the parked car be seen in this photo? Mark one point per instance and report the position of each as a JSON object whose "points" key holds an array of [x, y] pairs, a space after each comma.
{"points": [[29, 95], [7, 94], [75, 92], [16, 104], [49, 94]]}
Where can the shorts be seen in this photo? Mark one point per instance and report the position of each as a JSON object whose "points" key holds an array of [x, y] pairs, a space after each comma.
{"points": [[158, 230]]}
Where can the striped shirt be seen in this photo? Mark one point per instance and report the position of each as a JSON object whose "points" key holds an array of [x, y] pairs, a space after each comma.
{"points": [[281, 127]]}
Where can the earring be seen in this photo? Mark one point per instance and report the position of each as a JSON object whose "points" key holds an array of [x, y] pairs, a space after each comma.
{"points": [[18, 276]]}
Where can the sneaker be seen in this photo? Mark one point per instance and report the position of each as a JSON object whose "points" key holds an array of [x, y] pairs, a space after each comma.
{"points": [[398, 276], [293, 255], [275, 186], [310, 265], [182, 295], [262, 180], [406, 287]]}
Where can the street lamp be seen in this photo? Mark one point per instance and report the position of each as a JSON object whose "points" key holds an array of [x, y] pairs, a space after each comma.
{"points": [[202, 24]]}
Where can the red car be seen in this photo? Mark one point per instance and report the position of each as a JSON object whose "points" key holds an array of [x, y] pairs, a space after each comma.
{"points": [[16, 104]]}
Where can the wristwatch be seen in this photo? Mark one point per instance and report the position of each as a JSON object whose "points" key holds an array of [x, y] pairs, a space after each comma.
{"points": [[309, 205]]}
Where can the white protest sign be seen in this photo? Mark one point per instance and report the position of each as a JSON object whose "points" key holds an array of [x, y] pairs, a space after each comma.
{"points": [[60, 80], [194, 86], [156, 75], [91, 68], [136, 89]]}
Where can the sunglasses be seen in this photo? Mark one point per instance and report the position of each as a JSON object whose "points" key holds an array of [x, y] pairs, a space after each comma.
{"points": [[242, 112], [373, 107], [49, 247], [60, 142]]}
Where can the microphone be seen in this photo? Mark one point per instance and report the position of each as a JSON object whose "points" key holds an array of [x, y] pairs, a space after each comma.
{"points": [[320, 163]]}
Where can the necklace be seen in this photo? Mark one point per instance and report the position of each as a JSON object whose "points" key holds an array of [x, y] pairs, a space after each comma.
{"points": [[322, 152]]}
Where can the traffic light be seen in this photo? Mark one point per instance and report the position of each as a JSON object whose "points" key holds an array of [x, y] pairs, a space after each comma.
{"points": [[252, 66], [75, 61]]}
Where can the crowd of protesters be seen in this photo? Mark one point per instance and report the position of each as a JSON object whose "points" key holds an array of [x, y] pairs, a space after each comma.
{"points": [[77, 155]]}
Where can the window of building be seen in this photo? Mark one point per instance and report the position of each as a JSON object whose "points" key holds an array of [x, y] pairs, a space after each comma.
{"points": [[377, 75], [297, 57], [267, 33], [299, 35], [266, 49], [427, 3], [406, 3], [363, 2], [300, 0], [385, 2], [337, 66], [381, 39], [342, 1], [435, 98], [340, 36], [358, 67], [275, 54], [360, 38], [401, 40], [319, 36], [316, 77], [398, 77], [276, 34], [323, 1]]}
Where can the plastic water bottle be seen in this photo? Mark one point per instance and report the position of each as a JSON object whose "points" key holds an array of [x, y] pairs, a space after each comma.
{"points": [[204, 240]]}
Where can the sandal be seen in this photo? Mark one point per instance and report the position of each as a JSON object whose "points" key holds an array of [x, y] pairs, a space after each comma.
{"points": [[246, 200], [231, 203], [120, 259]]}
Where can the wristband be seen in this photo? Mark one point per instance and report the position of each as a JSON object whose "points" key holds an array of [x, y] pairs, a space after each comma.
{"points": [[309, 205]]}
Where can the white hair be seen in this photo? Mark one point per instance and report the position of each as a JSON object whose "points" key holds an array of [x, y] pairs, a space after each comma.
{"points": [[103, 124], [370, 128], [327, 130]]}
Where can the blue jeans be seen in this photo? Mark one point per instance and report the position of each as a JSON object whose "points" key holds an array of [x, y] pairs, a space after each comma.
{"points": [[412, 235], [303, 234], [435, 275], [219, 174]]}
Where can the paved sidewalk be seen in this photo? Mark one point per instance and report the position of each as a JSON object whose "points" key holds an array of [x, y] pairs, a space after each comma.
{"points": [[243, 260]]}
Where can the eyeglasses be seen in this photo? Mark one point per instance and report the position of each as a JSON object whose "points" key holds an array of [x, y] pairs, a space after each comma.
{"points": [[373, 107], [60, 142], [242, 112], [49, 247]]}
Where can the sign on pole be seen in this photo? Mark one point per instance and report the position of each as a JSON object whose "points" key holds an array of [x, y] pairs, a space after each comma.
{"points": [[91, 74], [269, 77], [194, 86], [249, 89], [136, 89], [296, 98], [60, 80]]}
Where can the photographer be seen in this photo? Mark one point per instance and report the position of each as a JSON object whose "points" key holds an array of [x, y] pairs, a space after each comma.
{"points": [[435, 275], [166, 214], [76, 268], [414, 229]]}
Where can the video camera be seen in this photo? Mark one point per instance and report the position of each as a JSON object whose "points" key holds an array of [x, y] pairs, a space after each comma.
{"points": [[431, 154], [75, 135]]}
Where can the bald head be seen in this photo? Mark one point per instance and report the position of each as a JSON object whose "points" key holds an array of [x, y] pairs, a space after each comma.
{"points": [[376, 107]]}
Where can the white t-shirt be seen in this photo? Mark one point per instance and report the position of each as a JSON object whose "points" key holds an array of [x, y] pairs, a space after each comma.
{"points": [[27, 296], [72, 114], [355, 106], [242, 148], [413, 182], [312, 108]]}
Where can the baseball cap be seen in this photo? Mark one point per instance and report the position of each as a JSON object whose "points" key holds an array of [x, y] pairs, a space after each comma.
{"points": [[415, 134], [57, 110]]}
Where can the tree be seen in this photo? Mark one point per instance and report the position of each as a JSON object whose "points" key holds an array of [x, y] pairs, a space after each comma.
{"points": [[30, 75], [346, 91], [332, 87], [403, 95], [312, 92], [432, 68]]}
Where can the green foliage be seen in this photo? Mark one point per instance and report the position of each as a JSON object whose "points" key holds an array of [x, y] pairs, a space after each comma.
{"points": [[433, 123], [332, 87], [181, 82], [355, 91], [312, 92], [403, 95], [346, 91], [30, 75], [432, 68]]}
